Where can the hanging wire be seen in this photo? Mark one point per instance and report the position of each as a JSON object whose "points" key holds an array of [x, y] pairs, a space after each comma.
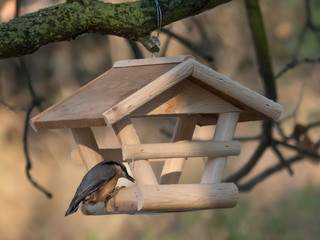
{"points": [[155, 39]]}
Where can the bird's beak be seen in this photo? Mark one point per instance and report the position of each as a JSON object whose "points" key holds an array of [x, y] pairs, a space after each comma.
{"points": [[130, 178]]}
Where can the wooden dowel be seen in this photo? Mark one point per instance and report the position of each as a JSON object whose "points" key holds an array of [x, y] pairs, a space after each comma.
{"points": [[145, 94], [114, 154], [232, 88], [87, 146], [167, 198], [225, 129], [181, 150], [172, 168], [142, 170], [125, 202]]}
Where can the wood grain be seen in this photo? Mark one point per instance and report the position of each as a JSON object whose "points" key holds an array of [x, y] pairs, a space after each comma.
{"points": [[225, 129], [87, 146], [184, 98], [151, 61], [181, 149], [148, 92], [84, 108], [167, 198], [235, 92], [142, 170]]}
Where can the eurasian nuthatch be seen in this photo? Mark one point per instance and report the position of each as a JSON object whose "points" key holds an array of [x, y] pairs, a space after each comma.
{"points": [[99, 184]]}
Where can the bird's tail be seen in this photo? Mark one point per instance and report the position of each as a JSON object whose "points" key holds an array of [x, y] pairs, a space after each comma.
{"points": [[72, 208]]}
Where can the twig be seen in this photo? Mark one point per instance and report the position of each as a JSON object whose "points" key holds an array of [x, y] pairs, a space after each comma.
{"points": [[135, 49], [309, 21], [312, 125], [32, 105], [249, 165], [298, 149], [266, 173], [7, 106], [296, 62], [298, 104], [308, 25], [35, 102], [282, 159], [189, 45]]}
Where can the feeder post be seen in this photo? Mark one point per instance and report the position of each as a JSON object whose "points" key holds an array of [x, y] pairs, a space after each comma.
{"points": [[172, 168], [87, 146], [225, 128], [126, 134]]}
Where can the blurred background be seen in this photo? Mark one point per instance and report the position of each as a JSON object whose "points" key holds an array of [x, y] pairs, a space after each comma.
{"points": [[281, 207]]}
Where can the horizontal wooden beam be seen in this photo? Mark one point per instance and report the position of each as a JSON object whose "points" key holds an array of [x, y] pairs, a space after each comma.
{"points": [[181, 149], [148, 199]]}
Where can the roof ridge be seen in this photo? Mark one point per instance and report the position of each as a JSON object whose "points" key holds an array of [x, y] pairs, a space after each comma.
{"points": [[151, 61]]}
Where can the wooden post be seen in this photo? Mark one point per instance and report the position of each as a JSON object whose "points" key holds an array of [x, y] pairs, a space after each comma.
{"points": [[87, 146], [172, 168], [142, 170], [225, 129]]}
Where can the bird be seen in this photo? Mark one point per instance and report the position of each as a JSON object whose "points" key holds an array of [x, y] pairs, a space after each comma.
{"points": [[99, 184]]}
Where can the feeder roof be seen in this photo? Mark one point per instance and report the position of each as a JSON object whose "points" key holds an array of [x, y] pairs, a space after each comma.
{"points": [[132, 84]]}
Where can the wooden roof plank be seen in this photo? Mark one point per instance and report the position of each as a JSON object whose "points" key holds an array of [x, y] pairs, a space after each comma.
{"points": [[151, 61], [131, 86], [148, 92], [236, 91], [85, 106]]}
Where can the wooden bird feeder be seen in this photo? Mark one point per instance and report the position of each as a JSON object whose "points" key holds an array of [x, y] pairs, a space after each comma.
{"points": [[163, 87]]}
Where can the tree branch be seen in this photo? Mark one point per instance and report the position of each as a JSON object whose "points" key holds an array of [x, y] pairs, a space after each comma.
{"points": [[131, 20], [261, 47], [267, 173], [35, 102]]}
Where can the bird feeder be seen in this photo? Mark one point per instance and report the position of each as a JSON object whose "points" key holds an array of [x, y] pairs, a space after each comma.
{"points": [[178, 87]]}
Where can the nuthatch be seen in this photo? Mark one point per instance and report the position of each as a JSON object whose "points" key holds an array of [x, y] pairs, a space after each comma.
{"points": [[99, 184]]}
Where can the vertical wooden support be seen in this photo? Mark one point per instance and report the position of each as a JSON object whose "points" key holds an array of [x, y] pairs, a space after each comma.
{"points": [[126, 134], [225, 129], [183, 131], [87, 146]]}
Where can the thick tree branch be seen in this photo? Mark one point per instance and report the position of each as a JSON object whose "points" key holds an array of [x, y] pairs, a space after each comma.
{"points": [[131, 20], [261, 47]]}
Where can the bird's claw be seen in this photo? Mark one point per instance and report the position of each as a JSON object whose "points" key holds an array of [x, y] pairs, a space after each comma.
{"points": [[112, 195]]}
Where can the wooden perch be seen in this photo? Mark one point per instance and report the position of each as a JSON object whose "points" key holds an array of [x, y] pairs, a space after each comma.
{"points": [[167, 198], [181, 150]]}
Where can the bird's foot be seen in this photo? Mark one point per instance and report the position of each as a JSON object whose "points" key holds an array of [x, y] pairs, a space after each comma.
{"points": [[112, 195]]}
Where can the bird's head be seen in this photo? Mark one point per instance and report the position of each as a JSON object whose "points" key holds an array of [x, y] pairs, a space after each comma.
{"points": [[124, 171]]}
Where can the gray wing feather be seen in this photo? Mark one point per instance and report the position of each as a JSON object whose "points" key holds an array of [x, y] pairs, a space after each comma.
{"points": [[96, 177]]}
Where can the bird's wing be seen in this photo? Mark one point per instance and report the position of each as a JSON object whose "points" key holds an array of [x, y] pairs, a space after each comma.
{"points": [[92, 181]]}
